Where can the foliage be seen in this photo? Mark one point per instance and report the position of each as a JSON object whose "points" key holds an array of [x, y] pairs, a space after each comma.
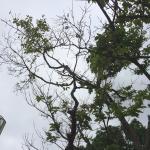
{"points": [[113, 138]]}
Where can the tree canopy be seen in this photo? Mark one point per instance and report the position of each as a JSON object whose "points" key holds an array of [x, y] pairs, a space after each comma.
{"points": [[72, 70]]}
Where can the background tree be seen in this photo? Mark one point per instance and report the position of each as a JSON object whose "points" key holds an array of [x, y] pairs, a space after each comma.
{"points": [[59, 82], [113, 138]]}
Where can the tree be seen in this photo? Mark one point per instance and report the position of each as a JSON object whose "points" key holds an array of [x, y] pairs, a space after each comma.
{"points": [[121, 44], [113, 138]]}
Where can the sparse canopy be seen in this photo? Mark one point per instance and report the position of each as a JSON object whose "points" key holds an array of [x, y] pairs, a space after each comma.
{"points": [[74, 73]]}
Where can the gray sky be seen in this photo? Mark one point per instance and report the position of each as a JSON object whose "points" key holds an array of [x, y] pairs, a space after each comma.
{"points": [[19, 116]]}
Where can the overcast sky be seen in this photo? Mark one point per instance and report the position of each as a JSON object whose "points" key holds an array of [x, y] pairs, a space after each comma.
{"points": [[19, 116]]}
